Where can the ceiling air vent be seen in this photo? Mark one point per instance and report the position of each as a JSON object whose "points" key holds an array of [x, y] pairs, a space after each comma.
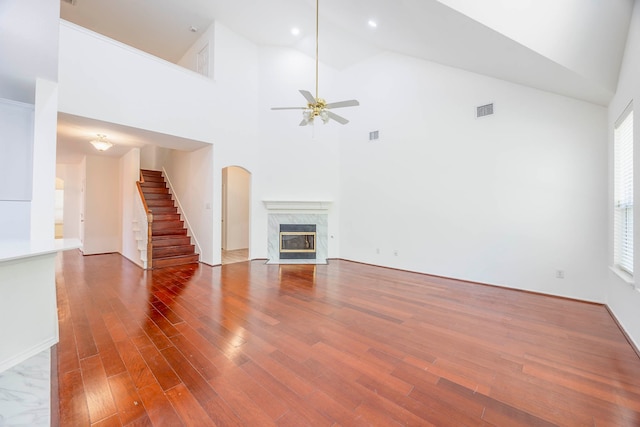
{"points": [[484, 110]]}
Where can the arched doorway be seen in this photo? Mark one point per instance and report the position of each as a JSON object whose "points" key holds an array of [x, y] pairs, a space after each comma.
{"points": [[236, 203]]}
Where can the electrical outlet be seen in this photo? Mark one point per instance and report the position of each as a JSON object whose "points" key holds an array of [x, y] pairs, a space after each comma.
{"points": [[378, 251], [559, 274]]}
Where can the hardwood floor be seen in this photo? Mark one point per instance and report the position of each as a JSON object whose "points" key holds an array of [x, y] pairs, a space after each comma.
{"points": [[237, 255], [338, 344]]}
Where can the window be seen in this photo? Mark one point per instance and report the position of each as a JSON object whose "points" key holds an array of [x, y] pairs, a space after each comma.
{"points": [[623, 191], [202, 59]]}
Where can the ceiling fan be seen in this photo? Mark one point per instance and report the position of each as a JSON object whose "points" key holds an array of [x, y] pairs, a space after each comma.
{"points": [[316, 106]]}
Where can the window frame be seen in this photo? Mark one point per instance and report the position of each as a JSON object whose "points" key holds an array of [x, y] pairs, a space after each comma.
{"points": [[623, 201]]}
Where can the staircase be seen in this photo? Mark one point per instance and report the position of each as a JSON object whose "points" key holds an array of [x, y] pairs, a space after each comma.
{"points": [[170, 243]]}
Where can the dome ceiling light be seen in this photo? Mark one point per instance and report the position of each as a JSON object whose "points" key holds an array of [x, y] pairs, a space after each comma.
{"points": [[101, 144]]}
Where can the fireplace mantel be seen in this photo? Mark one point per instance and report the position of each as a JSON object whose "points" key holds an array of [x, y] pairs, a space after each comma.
{"points": [[304, 213], [300, 205]]}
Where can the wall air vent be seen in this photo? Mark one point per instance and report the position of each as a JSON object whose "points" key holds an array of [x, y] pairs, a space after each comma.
{"points": [[484, 110], [374, 135]]}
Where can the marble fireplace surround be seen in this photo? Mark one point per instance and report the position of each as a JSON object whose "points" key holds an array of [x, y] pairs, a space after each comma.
{"points": [[298, 212]]}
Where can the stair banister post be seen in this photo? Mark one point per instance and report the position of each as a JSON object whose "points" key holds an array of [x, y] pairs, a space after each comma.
{"points": [[149, 240]]}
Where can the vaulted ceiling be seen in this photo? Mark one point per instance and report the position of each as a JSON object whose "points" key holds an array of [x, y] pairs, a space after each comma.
{"points": [[570, 47]]}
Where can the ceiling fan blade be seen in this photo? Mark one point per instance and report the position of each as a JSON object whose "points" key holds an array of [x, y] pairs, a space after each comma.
{"points": [[288, 108], [337, 118], [307, 95], [350, 103], [304, 122]]}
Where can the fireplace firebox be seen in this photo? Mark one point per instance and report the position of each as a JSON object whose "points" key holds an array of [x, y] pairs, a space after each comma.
{"points": [[297, 241]]}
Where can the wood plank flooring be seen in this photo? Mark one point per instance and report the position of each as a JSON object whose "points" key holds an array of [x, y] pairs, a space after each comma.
{"points": [[249, 344], [236, 255]]}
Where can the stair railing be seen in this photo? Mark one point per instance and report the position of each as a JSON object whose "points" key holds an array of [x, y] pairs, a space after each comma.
{"points": [[181, 212], [145, 219]]}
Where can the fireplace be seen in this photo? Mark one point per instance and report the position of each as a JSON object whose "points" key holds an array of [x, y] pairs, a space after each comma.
{"points": [[297, 241], [304, 237]]}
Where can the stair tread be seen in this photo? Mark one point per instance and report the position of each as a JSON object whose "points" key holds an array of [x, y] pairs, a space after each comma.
{"points": [[167, 224], [169, 211], [162, 241], [173, 250], [167, 216], [169, 232], [188, 245], [171, 244], [152, 195], [175, 260], [177, 256], [154, 190]]}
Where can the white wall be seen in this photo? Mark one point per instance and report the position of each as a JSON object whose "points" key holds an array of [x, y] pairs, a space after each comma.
{"points": [[153, 157], [139, 90], [44, 161], [16, 167], [291, 162], [238, 193], [191, 177], [28, 310], [623, 298], [16, 144], [29, 46], [102, 206], [129, 175], [190, 58], [71, 174], [506, 200], [93, 67]]}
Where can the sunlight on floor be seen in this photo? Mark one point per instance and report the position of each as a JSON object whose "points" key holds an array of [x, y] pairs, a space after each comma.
{"points": [[238, 255]]}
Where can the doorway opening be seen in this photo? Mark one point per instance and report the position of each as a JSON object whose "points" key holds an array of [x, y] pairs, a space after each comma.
{"points": [[236, 203]]}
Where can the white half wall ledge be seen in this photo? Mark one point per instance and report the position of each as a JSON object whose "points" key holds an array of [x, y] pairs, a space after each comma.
{"points": [[11, 250], [300, 205]]}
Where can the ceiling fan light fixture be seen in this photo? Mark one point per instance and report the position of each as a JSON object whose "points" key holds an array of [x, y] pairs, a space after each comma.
{"points": [[308, 115], [101, 144], [317, 106]]}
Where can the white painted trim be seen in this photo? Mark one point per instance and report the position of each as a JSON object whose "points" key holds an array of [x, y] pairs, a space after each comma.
{"points": [[299, 205], [11, 250], [27, 354], [623, 275], [181, 212]]}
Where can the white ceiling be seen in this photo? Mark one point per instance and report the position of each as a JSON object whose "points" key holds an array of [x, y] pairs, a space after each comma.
{"points": [[569, 47], [74, 134], [514, 40], [28, 46]]}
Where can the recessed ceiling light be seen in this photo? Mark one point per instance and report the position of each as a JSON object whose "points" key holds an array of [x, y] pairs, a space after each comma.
{"points": [[372, 23], [295, 31]]}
